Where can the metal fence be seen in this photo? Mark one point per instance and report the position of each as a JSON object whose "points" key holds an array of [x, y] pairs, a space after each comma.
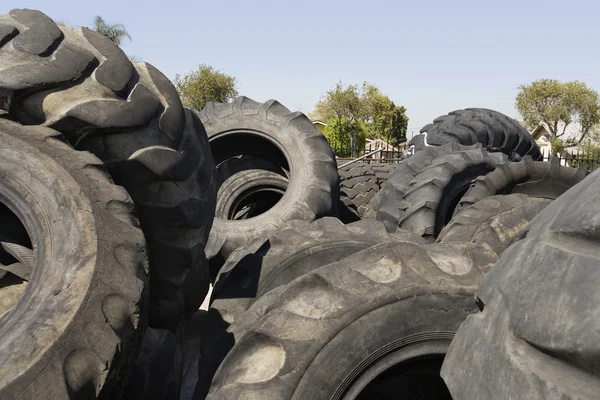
{"points": [[386, 154], [591, 159], [390, 154]]}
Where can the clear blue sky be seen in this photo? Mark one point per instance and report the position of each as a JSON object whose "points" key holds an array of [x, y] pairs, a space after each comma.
{"points": [[430, 56]]}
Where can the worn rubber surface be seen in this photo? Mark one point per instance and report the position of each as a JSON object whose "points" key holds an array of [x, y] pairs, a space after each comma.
{"points": [[430, 197], [129, 115], [388, 298], [269, 262], [360, 182], [248, 193], [494, 130], [546, 180], [393, 190], [78, 326], [495, 221], [536, 337], [227, 168], [372, 207], [157, 372], [288, 139]]}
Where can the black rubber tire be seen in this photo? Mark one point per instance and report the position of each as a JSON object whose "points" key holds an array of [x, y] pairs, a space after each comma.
{"points": [[130, 116], [254, 189], [372, 207], [495, 221], [429, 201], [158, 371], [357, 308], [547, 180], [78, 326], [360, 182], [536, 337], [418, 143], [494, 130], [227, 168], [269, 262], [393, 190], [289, 140]]}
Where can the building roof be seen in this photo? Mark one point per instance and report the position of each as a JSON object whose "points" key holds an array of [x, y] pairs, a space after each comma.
{"points": [[542, 129], [376, 143], [319, 122]]}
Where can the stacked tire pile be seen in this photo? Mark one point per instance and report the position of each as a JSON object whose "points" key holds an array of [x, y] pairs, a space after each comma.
{"points": [[107, 197], [466, 271], [366, 303]]}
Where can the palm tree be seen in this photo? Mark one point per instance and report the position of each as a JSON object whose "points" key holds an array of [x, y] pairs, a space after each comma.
{"points": [[115, 32]]}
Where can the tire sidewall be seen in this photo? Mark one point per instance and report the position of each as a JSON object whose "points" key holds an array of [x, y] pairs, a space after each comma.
{"points": [[434, 318]]}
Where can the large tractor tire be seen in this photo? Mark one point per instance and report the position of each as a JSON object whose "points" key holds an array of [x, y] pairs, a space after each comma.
{"points": [[130, 116], [270, 262], [286, 139], [74, 292], [428, 203], [249, 193], [495, 221], [374, 324], [495, 131], [392, 192], [546, 180], [359, 183], [537, 334]]}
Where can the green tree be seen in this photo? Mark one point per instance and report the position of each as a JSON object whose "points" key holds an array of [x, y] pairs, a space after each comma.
{"points": [[116, 32], [384, 119], [352, 110], [559, 104], [203, 85], [336, 133]]}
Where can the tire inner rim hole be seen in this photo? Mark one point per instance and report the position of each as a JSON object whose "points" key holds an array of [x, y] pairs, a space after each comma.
{"points": [[254, 202], [413, 379], [13, 235], [237, 146]]}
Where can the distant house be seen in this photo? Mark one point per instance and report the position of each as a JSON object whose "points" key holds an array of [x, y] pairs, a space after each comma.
{"points": [[389, 152], [320, 125], [542, 137]]}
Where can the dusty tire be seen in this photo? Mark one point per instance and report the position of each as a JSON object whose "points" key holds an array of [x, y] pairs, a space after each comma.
{"points": [[547, 180], [495, 131], [270, 262], [392, 192], [130, 116], [495, 221], [357, 308], [536, 337], [359, 183], [249, 193], [288, 140], [431, 195], [77, 328], [372, 207], [227, 168]]}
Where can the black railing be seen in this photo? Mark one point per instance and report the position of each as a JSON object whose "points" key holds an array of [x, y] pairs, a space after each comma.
{"points": [[591, 159], [388, 153], [395, 154]]}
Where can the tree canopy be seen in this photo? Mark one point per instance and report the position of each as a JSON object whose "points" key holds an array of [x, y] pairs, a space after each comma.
{"points": [[559, 104], [205, 84], [337, 135], [116, 32], [358, 112]]}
